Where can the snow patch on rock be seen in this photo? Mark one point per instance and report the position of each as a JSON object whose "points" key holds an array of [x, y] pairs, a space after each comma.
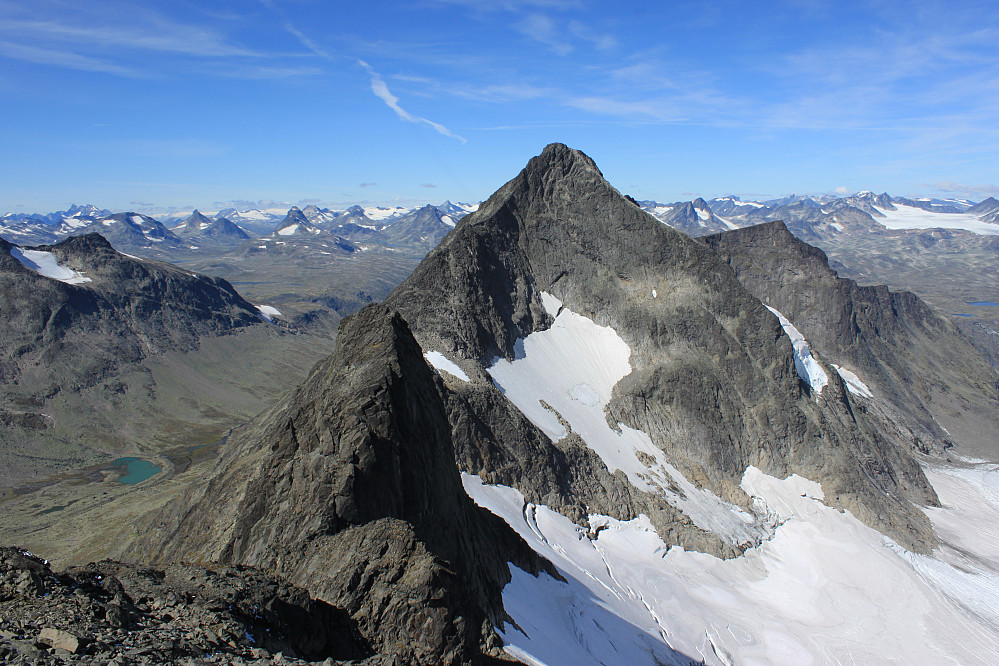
{"points": [[853, 383], [268, 312], [808, 368], [45, 263], [443, 363]]}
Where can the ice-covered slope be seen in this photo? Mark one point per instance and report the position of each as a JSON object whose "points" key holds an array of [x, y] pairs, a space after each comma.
{"points": [[46, 263], [908, 217], [562, 380], [826, 589]]}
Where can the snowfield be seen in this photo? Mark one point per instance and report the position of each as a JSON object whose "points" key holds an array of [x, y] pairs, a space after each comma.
{"points": [[45, 263], [826, 589], [443, 363], [565, 375], [808, 368], [268, 311], [853, 383], [907, 217]]}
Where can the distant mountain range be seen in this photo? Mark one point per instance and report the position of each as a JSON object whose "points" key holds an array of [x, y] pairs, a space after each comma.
{"points": [[813, 217], [197, 233]]}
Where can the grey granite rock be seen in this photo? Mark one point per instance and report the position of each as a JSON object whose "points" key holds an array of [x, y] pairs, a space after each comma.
{"points": [[350, 489]]}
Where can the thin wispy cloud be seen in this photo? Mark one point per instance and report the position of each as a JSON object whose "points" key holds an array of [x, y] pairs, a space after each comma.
{"points": [[603, 42], [378, 85], [959, 188], [541, 28], [59, 58], [383, 93], [146, 32]]}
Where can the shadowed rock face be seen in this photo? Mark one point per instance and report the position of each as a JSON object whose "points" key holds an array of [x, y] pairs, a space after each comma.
{"points": [[349, 488], [920, 367]]}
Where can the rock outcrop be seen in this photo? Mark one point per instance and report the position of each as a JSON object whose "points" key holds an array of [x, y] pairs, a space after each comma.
{"points": [[349, 488], [110, 612]]}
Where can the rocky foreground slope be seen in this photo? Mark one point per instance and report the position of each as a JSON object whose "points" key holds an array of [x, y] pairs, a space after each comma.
{"points": [[565, 344], [110, 612]]}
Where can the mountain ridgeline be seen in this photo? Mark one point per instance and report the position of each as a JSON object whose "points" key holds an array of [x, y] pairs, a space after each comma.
{"points": [[75, 349], [350, 486], [120, 311]]}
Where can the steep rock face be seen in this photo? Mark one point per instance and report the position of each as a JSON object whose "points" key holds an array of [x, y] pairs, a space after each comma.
{"points": [[224, 230], [423, 227], [194, 224], [918, 364], [712, 383], [349, 488]]}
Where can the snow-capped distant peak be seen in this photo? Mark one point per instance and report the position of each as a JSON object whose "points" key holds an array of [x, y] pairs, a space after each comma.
{"points": [[378, 213]]}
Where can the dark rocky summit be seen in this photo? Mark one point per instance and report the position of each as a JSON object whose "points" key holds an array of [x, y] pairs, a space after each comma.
{"points": [[713, 381]]}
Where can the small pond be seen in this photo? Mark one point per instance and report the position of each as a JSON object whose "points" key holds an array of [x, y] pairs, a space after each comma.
{"points": [[134, 470]]}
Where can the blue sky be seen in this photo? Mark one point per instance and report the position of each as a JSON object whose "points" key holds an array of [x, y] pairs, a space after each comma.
{"points": [[146, 105]]}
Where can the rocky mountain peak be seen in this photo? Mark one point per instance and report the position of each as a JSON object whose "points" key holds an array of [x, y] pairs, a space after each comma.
{"points": [[196, 221], [349, 487], [985, 207], [92, 243]]}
